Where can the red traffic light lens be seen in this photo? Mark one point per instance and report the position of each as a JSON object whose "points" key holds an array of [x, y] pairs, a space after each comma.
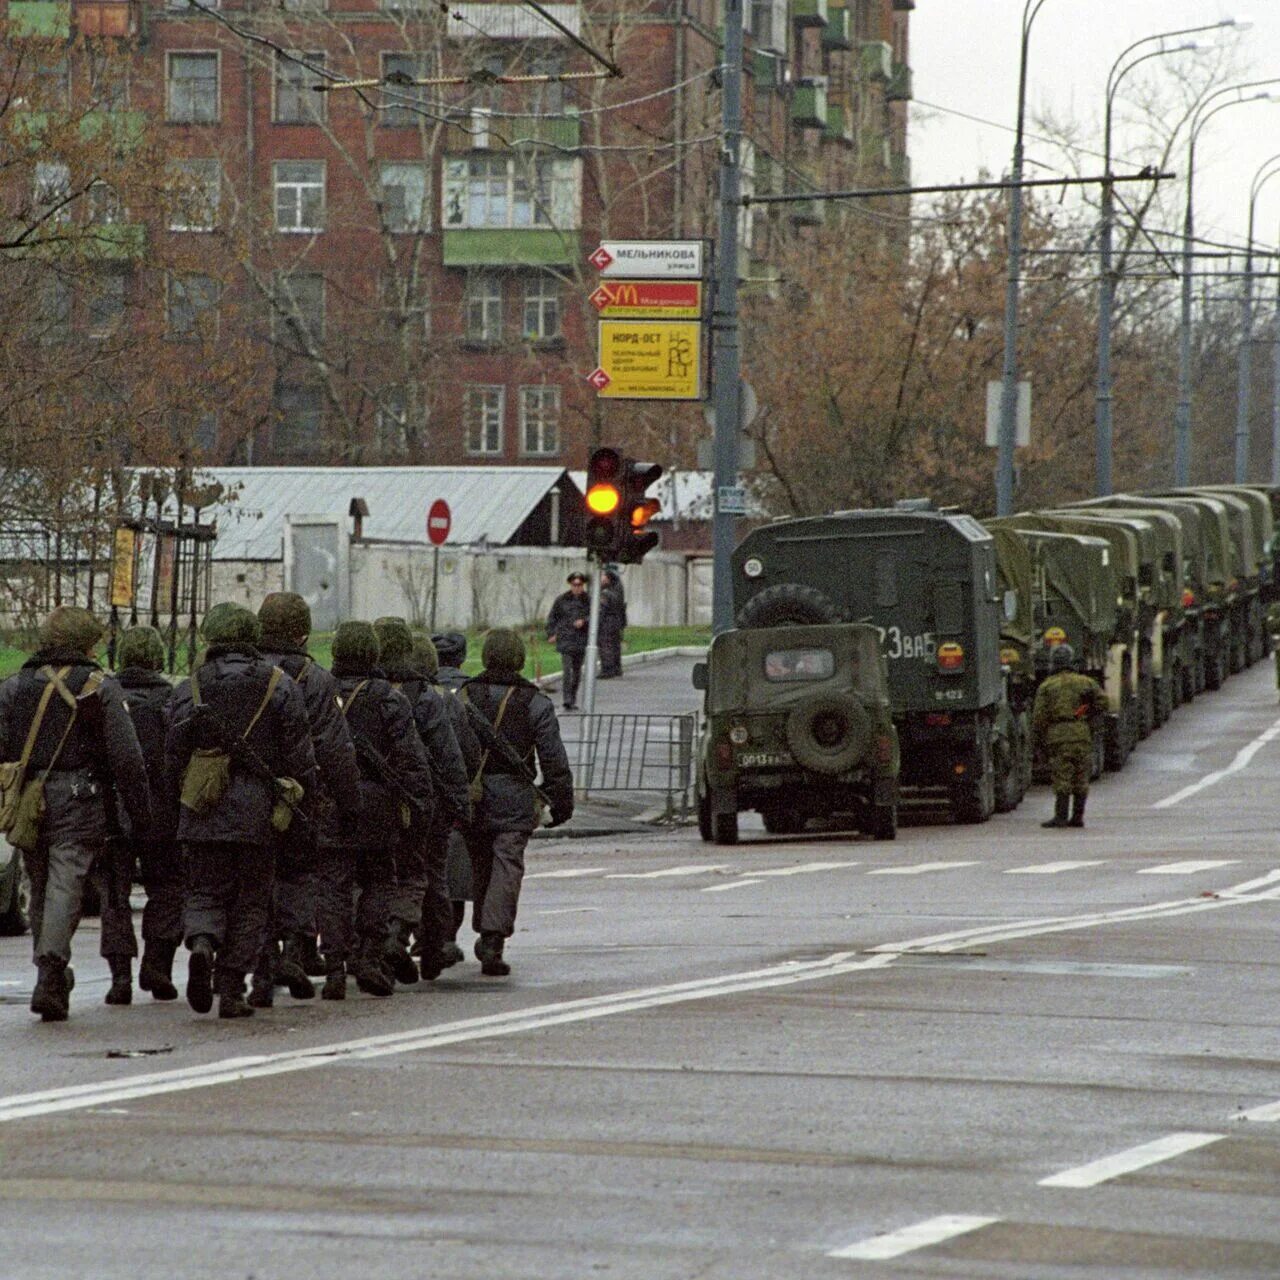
{"points": [[603, 499]]}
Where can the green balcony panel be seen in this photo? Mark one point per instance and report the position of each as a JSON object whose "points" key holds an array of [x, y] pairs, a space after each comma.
{"points": [[836, 34], [877, 60], [838, 128], [562, 132], [125, 127], [113, 242], [491, 247], [900, 168], [808, 213], [48, 19], [899, 88], [809, 13], [809, 106]]}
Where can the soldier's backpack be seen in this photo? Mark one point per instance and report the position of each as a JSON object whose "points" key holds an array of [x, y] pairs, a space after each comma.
{"points": [[208, 773], [22, 804]]}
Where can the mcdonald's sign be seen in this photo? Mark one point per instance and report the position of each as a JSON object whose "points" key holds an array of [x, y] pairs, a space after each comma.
{"points": [[665, 299]]}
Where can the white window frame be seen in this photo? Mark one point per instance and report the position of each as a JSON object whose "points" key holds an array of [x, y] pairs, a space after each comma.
{"points": [[291, 78], [541, 407], [315, 443], [406, 224], [169, 57], [484, 437], [399, 112], [484, 190], [287, 316], [51, 187], [299, 187], [542, 294], [397, 310], [484, 297], [205, 174]]}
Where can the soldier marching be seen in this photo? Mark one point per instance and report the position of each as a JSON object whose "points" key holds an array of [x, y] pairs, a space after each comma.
{"points": [[279, 813]]}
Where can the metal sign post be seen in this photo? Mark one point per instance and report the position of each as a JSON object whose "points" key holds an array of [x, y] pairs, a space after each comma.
{"points": [[593, 640], [439, 523]]}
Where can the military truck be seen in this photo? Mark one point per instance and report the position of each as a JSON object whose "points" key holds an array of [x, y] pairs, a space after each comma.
{"points": [[798, 727], [927, 581], [1258, 561]]}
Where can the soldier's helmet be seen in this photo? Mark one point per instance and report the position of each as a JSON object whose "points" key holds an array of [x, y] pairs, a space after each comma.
{"points": [[355, 647], [395, 640], [1062, 657], [503, 651], [70, 629], [141, 647], [228, 623], [285, 615]]}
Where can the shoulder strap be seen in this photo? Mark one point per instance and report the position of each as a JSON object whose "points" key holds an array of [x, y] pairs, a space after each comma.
{"points": [[355, 693], [56, 679], [301, 678], [497, 724], [33, 732], [276, 676], [195, 689]]}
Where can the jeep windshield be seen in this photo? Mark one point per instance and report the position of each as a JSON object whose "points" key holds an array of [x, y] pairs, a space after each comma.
{"points": [[791, 665]]}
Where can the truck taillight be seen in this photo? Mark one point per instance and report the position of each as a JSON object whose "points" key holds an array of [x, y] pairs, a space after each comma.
{"points": [[1188, 599], [724, 753], [950, 657], [937, 719]]}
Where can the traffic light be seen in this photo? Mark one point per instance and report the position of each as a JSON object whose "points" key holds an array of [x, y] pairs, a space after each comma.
{"points": [[639, 508], [603, 530]]}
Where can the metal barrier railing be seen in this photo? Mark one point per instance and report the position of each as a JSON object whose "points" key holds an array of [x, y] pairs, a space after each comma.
{"points": [[627, 752]]}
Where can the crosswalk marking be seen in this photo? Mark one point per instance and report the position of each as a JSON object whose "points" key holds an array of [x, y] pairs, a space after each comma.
{"points": [[1187, 868], [920, 1235], [920, 868], [569, 873], [1142, 1157], [666, 873], [1053, 868]]}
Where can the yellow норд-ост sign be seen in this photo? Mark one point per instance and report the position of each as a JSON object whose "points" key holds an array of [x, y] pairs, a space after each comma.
{"points": [[651, 359]]}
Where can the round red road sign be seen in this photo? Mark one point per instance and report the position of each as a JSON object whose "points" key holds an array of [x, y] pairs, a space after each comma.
{"points": [[439, 522]]}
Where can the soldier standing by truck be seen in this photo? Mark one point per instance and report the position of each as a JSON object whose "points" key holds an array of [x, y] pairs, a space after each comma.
{"points": [[1066, 704]]}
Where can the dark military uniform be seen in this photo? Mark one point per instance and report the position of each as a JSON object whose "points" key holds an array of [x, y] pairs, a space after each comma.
{"points": [[230, 848], [83, 758], [1060, 721], [567, 629], [507, 813], [613, 621], [451, 651], [363, 855]]}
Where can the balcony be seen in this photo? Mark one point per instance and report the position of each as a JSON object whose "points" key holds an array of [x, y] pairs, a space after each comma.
{"points": [[501, 247], [809, 105], [118, 19], [876, 58], [836, 34], [838, 127], [113, 242], [899, 88], [42, 19], [478, 129], [809, 13], [808, 213], [768, 70]]}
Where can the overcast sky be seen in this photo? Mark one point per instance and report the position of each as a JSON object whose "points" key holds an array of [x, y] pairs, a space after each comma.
{"points": [[965, 57]]}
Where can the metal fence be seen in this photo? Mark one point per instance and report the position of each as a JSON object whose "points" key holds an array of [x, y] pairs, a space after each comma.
{"points": [[636, 754]]}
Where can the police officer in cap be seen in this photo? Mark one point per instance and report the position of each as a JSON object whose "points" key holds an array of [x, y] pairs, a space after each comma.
{"points": [[1061, 722], [68, 744], [567, 629]]}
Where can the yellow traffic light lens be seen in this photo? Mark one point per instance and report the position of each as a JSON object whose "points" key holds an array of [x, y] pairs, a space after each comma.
{"points": [[644, 511], [603, 499]]}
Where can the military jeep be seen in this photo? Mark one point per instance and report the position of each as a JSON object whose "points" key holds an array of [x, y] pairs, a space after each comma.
{"points": [[798, 726]]}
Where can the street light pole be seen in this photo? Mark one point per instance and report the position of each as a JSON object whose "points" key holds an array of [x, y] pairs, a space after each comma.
{"points": [[1244, 365]]}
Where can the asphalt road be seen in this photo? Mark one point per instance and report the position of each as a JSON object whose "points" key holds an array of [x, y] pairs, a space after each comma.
{"points": [[991, 1052]]}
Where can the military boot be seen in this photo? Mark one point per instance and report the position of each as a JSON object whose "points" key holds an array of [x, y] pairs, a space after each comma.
{"points": [[489, 953], [155, 973], [50, 997], [200, 974], [396, 957], [121, 991], [335, 982], [313, 963], [451, 954], [1077, 811], [262, 993], [1059, 818], [368, 972], [292, 970]]}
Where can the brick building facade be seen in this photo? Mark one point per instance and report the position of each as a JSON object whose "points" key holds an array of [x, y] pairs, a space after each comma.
{"points": [[405, 265]]}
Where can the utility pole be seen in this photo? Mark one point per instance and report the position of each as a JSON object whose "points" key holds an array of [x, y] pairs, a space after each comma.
{"points": [[724, 323], [1275, 390], [1244, 373]]}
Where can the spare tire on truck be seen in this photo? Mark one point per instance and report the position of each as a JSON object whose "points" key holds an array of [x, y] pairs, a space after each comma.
{"points": [[829, 733], [789, 604]]}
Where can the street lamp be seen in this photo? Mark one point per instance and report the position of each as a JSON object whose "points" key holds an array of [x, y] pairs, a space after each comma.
{"points": [[1103, 421], [1009, 374], [1244, 365], [1200, 118]]}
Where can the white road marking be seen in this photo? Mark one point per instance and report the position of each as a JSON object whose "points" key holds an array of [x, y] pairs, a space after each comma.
{"points": [[1053, 868], [569, 873], [920, 868], [1243, 756], [1187, 868], [569, 911], [920, 1235], [1141, 1157], [666, 873], [732, 884], [518, 1021], [805, 868], [1269, 1113]]}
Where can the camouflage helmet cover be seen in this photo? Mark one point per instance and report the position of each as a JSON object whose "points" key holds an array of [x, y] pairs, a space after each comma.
{"points": [[286, 615], [395, 641], [71, 629], [228, 623], [503, 651], [425, 659], [355, 644], [141, 647]]}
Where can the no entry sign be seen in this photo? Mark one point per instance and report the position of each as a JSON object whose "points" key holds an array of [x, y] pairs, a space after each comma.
{"points": [[439, 522]]}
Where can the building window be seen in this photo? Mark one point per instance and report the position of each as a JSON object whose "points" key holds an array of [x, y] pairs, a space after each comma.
{"points": [[298, 316], [541, 308], [482, 304], [192, 88], [404, 302], [396, 425], [106, 304], [192, 307], [547, 99], [482, 417], [299, 427], [540, 420], [405, 204], [299, 195], [195, 192], [52, 191], [55, 311], [108, 80], [53, 81], [198, 428], [105, 209], [401, 70], [297, 102], [511, 191]]}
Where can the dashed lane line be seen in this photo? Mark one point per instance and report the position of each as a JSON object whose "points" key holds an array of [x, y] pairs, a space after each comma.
{"points": [[1269, 1113], [1130, 1161], [568, 873], [732, 884], [920, 1235], [805, 869], [1241, 761], [666, 873], [1189, 868], [1053, 868], [920, 868]]}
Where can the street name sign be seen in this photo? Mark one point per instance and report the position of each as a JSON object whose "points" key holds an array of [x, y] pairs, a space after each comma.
{"points": [[649, 360], [667, 299], [650, 259]]}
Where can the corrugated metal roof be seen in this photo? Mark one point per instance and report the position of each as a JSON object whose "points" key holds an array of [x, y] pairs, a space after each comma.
{"points": [[487, 503], [508, 21]]}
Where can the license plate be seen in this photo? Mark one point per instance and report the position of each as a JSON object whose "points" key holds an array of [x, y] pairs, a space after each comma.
{"points": [[762, 759]]}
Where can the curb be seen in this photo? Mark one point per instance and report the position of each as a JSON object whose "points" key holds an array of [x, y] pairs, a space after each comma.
{"points": [[635, 660]]}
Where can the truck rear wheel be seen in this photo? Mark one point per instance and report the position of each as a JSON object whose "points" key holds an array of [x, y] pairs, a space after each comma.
{"points": [[724, 828], [789, 604], [1008, 791], [973, 800]]}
